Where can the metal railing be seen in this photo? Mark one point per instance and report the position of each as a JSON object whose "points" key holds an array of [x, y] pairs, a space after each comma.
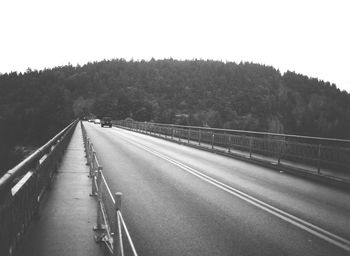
{"points": [[110, 224], [22, 189], [320, 155]]}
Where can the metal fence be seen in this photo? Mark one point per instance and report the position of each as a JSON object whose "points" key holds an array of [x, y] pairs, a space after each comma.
{"points": [[320, 155], [110, 225], [22, 189]]}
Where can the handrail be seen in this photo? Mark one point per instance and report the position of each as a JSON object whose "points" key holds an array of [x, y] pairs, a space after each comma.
{"points": [[330, 157], [110, 223], [244, 132], [20, 197], [20, 168]]}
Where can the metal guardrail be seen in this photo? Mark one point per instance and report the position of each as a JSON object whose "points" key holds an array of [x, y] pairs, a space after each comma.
{"points": [[22, 189], [312, 154], [110, 225]]}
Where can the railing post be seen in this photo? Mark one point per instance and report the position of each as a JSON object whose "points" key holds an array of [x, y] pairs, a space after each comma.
{"points": [[94, 183], [199, 136], [229, 143], [279, 152], [87, 152], [36, 203], [212, 140], [319, 159], [93, 166], [172, 133], [84, 139], [94, 160], [188, 136], [117, 245], [99, 198], [250, 146], [91, 162]]}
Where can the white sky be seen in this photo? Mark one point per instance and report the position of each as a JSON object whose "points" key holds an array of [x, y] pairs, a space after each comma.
{"points": [[306, 36]]}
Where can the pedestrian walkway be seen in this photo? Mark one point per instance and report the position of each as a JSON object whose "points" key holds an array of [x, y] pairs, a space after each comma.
{"points": [[68, 213]]}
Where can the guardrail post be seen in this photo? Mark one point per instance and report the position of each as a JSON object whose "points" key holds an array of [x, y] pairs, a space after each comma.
{"points": [[99, 225], [212, 140], [199, 137], [279, 153], [87, 155], [250, 146], [36, 213], [229, 143], [94, 184], [91, 160], [319, 159], [117, 245], [188, 136], [94, 175], [84, 138], [172, 133], [279, 159]]}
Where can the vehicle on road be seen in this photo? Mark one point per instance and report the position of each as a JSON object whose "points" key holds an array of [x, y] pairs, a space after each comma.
{"points": [[106, 121], [97, 121]]}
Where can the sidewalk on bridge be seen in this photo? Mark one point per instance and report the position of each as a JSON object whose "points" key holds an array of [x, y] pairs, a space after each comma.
{"points": [[68, 213]]}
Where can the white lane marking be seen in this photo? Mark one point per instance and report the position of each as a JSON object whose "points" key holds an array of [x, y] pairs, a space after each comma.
{"points": [[307, 226]]}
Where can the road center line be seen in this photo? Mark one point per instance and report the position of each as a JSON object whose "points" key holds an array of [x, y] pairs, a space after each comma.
{"points": [[307, 226]]}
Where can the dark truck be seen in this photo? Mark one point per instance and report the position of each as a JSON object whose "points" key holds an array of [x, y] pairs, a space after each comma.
{"points": [[106, 121]]}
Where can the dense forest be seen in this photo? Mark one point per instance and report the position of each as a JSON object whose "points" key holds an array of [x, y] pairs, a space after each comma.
{"points": [[35, 105]]}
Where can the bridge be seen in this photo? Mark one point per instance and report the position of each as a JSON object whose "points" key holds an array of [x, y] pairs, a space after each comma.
{"points": [[155, 189]]}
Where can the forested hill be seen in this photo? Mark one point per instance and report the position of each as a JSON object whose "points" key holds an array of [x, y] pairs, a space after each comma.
{"points": [[36, 104]]}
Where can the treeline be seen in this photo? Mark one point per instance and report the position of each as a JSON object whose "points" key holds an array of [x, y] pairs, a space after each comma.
{"points": [[36, 104]]}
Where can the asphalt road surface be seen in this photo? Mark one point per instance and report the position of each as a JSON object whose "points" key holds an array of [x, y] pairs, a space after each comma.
{"points": [[178, 200]]}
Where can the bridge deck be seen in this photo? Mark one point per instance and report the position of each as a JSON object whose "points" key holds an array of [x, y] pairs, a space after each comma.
{"points": [[68, 213]]}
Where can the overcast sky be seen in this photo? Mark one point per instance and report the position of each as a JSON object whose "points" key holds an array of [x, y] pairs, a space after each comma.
{"points": [[306, 36]]}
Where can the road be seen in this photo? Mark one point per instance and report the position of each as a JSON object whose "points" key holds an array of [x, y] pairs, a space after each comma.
{"points": [[178, 200]]}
